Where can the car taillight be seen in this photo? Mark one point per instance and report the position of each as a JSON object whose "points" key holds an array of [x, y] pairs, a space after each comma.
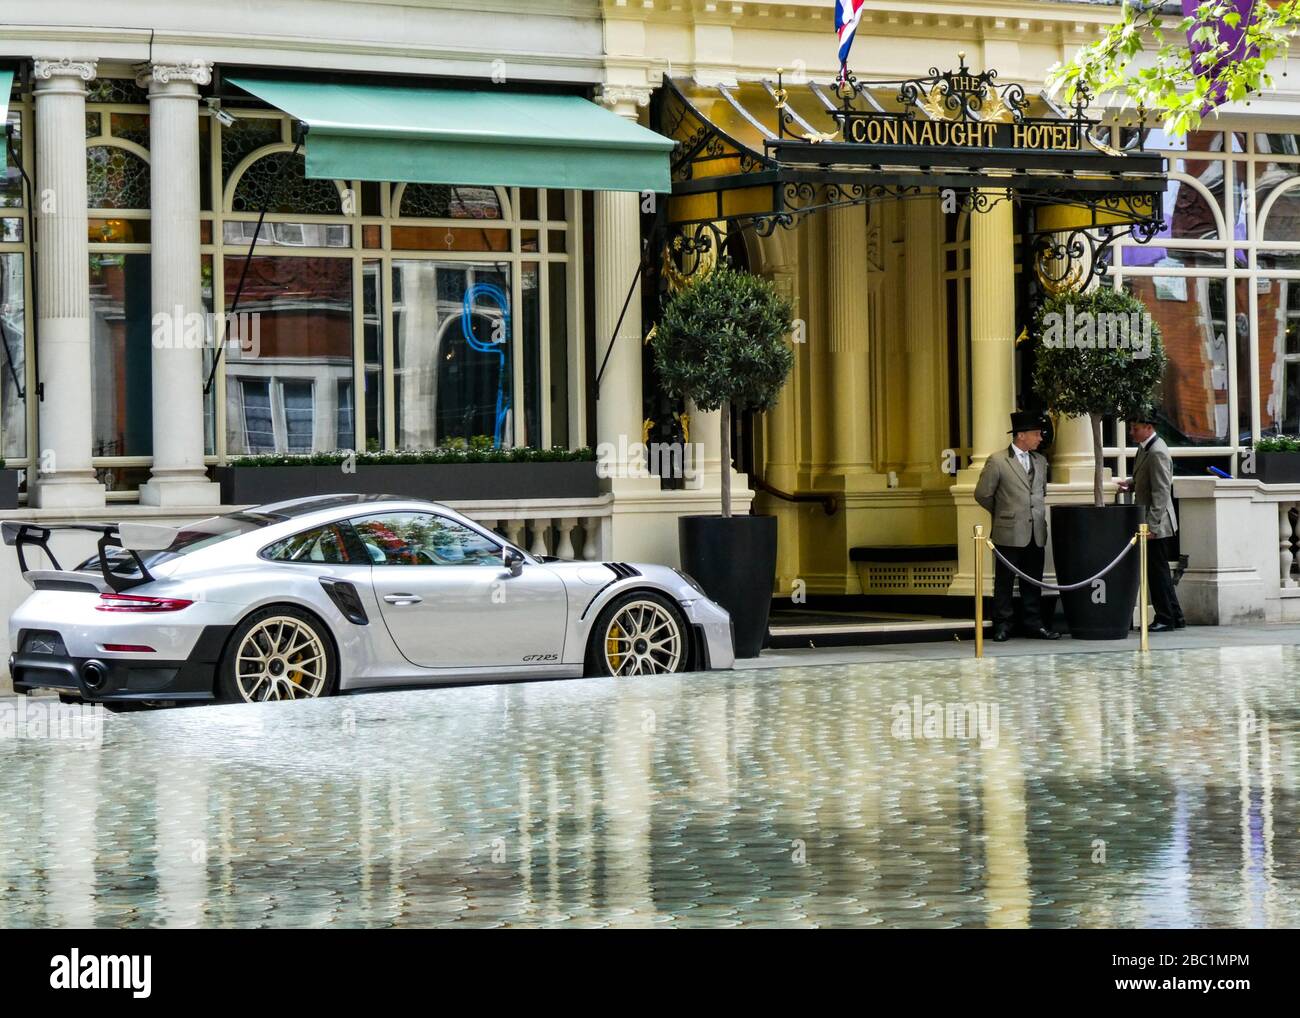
{"points": [[140, 603], [129, 648]]}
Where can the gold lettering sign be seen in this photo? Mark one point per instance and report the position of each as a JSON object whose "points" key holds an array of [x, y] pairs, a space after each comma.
{"points": [[891, 131]]}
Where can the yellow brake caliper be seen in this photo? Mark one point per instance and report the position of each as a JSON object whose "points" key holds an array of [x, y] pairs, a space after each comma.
{"points": [[612, 653]]}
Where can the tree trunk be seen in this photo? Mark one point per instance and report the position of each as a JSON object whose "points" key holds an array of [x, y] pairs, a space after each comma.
{"points": [[725, 457], [1097, 463]]}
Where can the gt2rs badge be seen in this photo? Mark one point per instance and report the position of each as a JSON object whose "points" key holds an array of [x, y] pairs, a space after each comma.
{"points": [[541, 657]]}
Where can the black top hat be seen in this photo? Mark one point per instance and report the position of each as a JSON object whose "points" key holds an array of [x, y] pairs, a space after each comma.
{"points": [[1147, 416], [1022, 420]]}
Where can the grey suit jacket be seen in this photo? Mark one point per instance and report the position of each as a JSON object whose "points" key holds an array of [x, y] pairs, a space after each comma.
{"points": [[1153, 487], [1019, 509]]}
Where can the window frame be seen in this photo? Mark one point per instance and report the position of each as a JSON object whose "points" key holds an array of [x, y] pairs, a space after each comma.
{"points": [[358, 218], [351, 540]]}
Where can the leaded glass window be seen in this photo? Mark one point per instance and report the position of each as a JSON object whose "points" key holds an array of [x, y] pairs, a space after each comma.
{"points": [[116, 179], [265, 184], [244, 137], [119, 91]]}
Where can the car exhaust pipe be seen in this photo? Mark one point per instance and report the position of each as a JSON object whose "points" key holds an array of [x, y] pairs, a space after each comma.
{"points": [[94, 676]]}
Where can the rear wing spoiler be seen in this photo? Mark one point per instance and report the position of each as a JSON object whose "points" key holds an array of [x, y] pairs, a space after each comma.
{"points": [[130, 537]]}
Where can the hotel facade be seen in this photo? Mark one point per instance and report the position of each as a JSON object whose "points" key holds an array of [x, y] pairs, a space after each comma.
{"points": [[494, 281]]}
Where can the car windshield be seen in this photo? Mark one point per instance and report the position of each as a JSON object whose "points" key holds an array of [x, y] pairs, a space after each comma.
{"points": [[194, 537]]}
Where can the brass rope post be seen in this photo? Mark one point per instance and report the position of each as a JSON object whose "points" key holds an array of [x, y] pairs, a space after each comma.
{"points": [[979, 590], [1143, 533]]}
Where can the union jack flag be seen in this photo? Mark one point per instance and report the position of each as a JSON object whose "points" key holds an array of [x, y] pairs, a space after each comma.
{"points": [[847, 15]]}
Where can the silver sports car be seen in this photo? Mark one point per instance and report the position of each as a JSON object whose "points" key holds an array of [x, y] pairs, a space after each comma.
{"points": [[335, 593]]}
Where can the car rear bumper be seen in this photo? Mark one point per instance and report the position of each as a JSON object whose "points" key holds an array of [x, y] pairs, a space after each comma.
{"points": [[122, 679]]}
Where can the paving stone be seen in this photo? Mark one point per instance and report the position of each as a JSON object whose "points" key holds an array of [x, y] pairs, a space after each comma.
{"points": [[1104, 796]]}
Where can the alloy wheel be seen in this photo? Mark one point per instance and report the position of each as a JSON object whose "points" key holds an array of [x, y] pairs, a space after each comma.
{"points": [[281, 658], [642, 638]]}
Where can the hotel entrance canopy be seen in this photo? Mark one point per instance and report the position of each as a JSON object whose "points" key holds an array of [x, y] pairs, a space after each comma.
{"points": [[444, 136], [763, 154]]}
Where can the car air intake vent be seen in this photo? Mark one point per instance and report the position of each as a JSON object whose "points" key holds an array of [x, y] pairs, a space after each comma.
{"points": [[622, 570], [346, 599], [42, 641]]}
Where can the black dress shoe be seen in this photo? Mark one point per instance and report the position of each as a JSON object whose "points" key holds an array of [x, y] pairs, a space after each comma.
{"points": [[1160, 627], [1001, 634], [1043, 633], [1180, 624]]}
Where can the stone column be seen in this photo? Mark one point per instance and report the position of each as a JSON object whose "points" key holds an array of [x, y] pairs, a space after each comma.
{"points": [[849, 363], [1072, 452], [781, 423], [992, 327], [64, 476], [923, 304], [992, 360], [706, 425], [178, 476], [618, 253]]}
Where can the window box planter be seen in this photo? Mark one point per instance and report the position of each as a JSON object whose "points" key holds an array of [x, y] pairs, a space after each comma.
{"points": [[436, 482], [8, 488], [1276, 467]]}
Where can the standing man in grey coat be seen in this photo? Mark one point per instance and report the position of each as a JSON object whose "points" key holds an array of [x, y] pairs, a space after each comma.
{"points": [[1152, 485], [1013, 488]]}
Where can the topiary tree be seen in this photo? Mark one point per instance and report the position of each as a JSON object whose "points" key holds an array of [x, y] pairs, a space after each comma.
{"points": [[1100, 353], [721, 343]]}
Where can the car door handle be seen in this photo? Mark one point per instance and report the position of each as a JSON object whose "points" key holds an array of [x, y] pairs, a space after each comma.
{"points": [[402, 599]]}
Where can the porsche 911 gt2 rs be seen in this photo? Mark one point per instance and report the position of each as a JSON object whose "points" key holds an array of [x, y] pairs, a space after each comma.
{"points": [[334, 593]]}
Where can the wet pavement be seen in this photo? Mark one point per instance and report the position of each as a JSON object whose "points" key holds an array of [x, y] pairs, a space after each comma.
{"points": [[1068, 790]]}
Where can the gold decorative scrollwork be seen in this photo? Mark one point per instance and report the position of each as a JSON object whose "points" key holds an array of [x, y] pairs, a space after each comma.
{"points": [[934, 103]]}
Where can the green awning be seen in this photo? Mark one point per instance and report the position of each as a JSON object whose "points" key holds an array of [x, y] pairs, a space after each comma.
{"points": [[6, 83], [442, 136]]}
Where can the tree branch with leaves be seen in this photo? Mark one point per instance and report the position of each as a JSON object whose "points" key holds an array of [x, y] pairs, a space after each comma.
{"points": [[1179, 68]]}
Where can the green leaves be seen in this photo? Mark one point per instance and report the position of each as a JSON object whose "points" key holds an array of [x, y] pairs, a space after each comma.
{"points": [[1180, 85], [1107, 376], [723, 339], [1278, 443]]}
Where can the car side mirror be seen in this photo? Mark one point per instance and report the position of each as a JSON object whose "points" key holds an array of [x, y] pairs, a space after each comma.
{"points": [[513, 559]]}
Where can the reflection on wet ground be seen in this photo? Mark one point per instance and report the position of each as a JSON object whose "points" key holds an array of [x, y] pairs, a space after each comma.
{"points": [[1077, 790]]}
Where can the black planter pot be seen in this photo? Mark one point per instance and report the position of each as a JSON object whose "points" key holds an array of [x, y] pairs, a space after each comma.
{"points": [[8, 489], [1085, 539], [1277, 467], [437, 482], [734, 560]]}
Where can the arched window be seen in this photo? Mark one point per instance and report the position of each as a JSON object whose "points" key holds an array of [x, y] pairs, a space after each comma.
{"points": [[116, 178], [285, 190]]}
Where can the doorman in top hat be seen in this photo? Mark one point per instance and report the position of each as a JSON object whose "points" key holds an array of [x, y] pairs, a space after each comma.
{"points": [[1013, 488], [1152, 485]]}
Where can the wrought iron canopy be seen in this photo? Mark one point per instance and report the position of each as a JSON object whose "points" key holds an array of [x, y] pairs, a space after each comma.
{"points": [[766, 153]]}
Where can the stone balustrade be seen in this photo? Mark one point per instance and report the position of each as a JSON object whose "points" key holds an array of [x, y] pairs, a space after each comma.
{"points": [[1242, 541], [565, 528]]}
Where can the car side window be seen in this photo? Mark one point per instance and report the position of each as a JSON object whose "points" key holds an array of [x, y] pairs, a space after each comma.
{"points": [[324, 544], [423, 539]]}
